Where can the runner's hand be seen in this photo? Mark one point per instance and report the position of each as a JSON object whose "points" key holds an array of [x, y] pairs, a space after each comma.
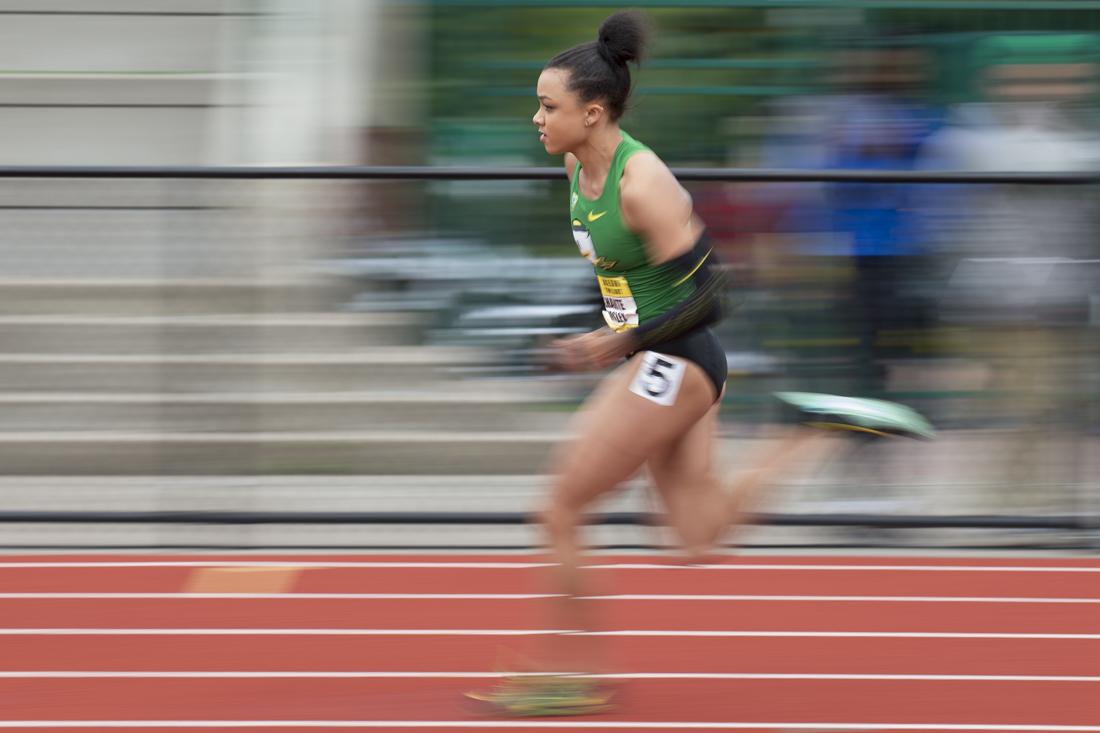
{"points": [[594, 350]]}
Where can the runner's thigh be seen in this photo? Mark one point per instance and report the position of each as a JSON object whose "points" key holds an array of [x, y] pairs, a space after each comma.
{"points": [[687, 459], [638, 411]]}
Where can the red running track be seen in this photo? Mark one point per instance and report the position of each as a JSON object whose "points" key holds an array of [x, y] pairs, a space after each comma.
{"points": [[230, 643]]}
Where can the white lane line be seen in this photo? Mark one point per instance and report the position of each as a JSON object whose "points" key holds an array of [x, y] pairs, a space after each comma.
{"points": [[550, 725], [840, 634], [143, 674], [276, 564], [529, 565], [536, 632], [532, 596], [864, 568], [859, 599], [285, 596]]}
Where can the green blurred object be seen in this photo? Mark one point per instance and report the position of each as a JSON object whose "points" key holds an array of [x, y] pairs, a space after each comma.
{"points": [[1032, 49], [1036, 48], [717, 67]]}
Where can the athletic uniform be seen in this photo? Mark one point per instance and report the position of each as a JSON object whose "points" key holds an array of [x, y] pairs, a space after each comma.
{"points": [[670, 305], [667, 309]]}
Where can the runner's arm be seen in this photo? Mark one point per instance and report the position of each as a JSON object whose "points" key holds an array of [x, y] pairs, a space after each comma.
{"points": [[659, 210]]}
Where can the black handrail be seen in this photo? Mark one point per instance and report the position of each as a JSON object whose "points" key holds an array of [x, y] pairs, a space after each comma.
{"points": [[489, 173], [640, 519]]}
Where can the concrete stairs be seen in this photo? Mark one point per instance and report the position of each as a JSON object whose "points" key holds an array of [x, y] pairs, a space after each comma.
{"points": [[185, 395], [243, 393]]}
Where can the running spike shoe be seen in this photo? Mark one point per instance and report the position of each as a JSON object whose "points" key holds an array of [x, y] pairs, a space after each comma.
{"points": [[546, 695], [858, 414]]}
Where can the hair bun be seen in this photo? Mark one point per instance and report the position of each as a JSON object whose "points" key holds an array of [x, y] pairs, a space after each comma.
{"points": [[622, 37]]}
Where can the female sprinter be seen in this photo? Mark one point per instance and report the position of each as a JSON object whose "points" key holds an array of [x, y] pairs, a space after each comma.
{"points": [[658, 409]]}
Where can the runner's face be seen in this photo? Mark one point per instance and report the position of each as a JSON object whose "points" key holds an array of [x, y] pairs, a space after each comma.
{"points": [[560, 117]]}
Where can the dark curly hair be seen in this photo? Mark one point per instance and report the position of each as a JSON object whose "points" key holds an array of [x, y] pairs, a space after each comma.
{"points": [[598, 69]]}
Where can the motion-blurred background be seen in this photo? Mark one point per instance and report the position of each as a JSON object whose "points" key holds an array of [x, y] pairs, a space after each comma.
{"points": [[173, 344]]}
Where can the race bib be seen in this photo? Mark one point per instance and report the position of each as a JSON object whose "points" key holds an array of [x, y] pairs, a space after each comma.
{"points": [[658, 378], [619, 309]]}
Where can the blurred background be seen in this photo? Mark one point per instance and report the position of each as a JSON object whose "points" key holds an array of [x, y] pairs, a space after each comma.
{"points": [[173, 344]]}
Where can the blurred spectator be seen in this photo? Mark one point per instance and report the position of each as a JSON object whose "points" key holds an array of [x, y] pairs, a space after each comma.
{"points": [[1021, 280], [879, 123]]}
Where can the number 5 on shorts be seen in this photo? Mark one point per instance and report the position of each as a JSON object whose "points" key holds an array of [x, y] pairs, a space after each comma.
{"points": [[658, 378]]}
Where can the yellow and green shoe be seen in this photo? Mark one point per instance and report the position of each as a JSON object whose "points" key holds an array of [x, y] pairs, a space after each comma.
{"points": [[546, 695]]}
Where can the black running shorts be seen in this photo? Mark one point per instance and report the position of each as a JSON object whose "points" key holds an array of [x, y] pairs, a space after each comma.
{"points": [[700, 347]]}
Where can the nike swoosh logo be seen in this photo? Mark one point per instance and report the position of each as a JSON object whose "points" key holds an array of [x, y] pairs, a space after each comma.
{"points": [[592, 217]]}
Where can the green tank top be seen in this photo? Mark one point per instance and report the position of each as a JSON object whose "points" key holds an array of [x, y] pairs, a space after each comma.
{"points": [[633, 289]]}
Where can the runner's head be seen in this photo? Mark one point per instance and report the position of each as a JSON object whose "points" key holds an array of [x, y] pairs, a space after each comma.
{"points": [[588, 86]]}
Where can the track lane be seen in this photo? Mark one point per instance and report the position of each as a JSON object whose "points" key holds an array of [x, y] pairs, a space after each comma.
{"points": [[190, 612], [478, 653], [818, 701], [810, 704]]}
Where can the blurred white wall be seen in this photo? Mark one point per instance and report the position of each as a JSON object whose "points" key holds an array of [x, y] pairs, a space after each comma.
{"points": [[191, 82], [311, 79]]}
